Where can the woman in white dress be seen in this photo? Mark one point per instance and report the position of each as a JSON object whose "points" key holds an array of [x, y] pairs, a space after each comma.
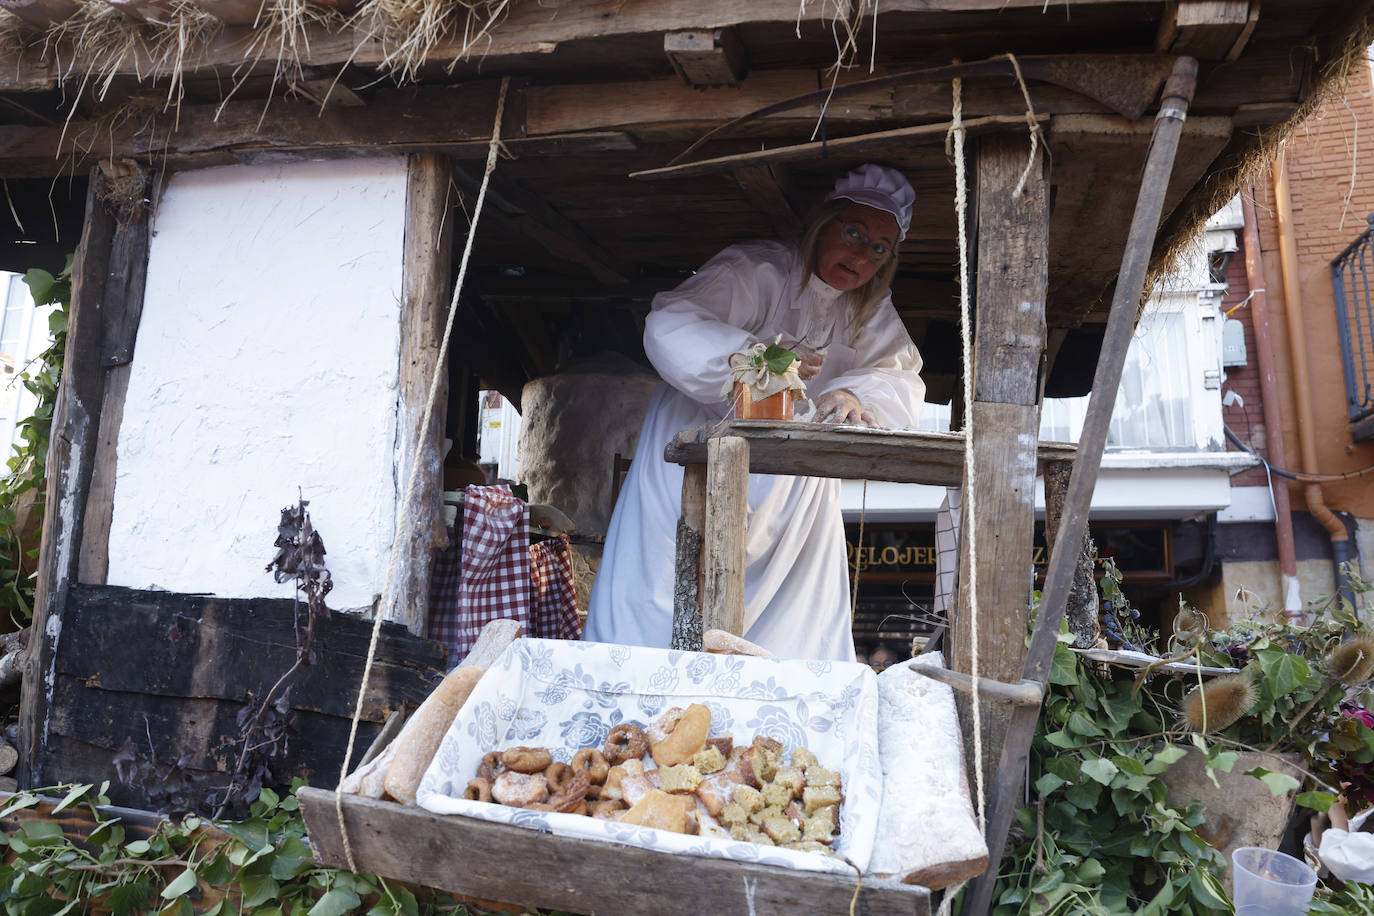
{"points": [[827, 297]]}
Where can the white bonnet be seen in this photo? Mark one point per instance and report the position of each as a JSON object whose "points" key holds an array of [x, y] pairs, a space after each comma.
{"points": [[880, 187]]}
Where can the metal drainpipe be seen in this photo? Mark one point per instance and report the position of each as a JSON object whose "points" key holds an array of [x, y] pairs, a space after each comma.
{"points": [[1273, 411], [1297, 345]]}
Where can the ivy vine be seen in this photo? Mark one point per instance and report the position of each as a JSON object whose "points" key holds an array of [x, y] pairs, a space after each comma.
{"points": [[25, 468]]}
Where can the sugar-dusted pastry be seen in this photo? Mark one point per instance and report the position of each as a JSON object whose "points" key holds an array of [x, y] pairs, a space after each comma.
{"points": [[817, 797], [660, 810], [709, 760], [683, 738], [520, 789], [681, 778]]}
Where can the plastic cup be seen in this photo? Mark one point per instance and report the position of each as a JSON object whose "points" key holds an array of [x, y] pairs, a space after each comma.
{"points": [[1269, 883]]}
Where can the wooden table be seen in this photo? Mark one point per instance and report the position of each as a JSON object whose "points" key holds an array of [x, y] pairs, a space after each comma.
{"points": [[717, 460]]}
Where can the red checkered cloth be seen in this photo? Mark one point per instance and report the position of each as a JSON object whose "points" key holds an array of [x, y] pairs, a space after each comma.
{"points": [[554, 611], [492, 581]]}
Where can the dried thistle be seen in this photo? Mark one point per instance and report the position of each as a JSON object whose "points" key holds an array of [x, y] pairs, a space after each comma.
{"points": [[1352, 662], [1218, 703]]}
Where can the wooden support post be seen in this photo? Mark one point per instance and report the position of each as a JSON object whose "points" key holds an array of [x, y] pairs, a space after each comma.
{"points": [[687, 568], [1154, 183], [727, 505], [424, 309], [121, 307], [71, 457], [1004, 420], [1082, 607], [706, 57]]}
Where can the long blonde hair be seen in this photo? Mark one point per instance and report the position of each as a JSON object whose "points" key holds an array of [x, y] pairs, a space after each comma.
{"points": [[862, 301]]}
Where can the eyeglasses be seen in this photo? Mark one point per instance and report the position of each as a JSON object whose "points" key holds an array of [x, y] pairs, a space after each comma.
{"points": [[853, 236]]}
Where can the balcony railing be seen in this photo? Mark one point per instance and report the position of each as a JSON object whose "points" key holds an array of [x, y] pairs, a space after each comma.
{"points": [[1353, 287]]}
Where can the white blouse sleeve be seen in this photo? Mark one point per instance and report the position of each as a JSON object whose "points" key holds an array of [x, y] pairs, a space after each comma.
{"points": [[886, 375], [692, 330]]}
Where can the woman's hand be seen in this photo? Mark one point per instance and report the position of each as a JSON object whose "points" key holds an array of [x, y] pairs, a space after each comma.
{"points": [[843, 407]]}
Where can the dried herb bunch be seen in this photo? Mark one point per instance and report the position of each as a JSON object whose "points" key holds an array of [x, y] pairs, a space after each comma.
{"points": [[268, 723]]}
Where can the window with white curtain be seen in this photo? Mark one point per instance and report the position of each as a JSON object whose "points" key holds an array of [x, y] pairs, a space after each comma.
{"points": [[1153, 404]]}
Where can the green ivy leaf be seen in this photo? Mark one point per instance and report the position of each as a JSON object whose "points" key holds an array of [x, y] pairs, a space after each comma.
{"points": [[258, 889], [42, 833], [1283, 671], [129, 898], [73, 795], [180, 885], [1099, 769], [1278, 783], [40, 284], [336, 903], [1047, 783], [1317, 801], [1222, 760], [778, 358], [1064, 668]]}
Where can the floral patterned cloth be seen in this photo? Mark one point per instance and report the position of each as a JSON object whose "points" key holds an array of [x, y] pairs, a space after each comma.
{"points": [[568, 695]]}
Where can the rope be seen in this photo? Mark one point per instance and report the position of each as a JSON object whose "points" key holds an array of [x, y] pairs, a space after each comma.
{"points": [[968, 512], [858, 554], [1031, 122], [401, 524]]}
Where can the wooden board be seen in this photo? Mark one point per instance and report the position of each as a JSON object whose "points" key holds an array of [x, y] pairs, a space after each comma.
{"points": [[852, 453], [199, 661], [528, 868]]}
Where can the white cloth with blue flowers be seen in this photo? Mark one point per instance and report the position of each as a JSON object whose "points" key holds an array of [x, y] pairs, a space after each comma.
{"points": [[568, 695]]}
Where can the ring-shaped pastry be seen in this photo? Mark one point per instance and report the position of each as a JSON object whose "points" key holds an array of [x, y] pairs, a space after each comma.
{"points": [[527, 759], [575, 794], [625, 742], [491, 766], [478, 789], [559, 776], [594, 762]]}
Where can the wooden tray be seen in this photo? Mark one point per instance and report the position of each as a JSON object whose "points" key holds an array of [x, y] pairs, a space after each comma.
{"points": [[494, 861]]}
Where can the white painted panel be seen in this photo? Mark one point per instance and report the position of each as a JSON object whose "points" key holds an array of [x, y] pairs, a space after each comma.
{"points": [[267, 361]]}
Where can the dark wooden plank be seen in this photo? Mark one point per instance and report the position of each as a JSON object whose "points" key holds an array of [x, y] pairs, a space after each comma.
{"points": [[122, 305], [823, 450], [529, 868], [425, 277], [766, 188], [203, 735], [71, 454], [999, 506], [218, 648]]}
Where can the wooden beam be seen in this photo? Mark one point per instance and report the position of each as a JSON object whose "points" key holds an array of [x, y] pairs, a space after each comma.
{"points": [[999, 508], [765, 186], [877, 143], [41, 14], [1206, 29], [71, 456], [727, 505], [533, 217], [513, 864], [232, 12], [455, 120], [706, 58], [425, 273]]}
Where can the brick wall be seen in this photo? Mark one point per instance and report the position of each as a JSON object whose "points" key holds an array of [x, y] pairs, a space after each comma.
{"points": [[1331, 177], [1246, 419]]}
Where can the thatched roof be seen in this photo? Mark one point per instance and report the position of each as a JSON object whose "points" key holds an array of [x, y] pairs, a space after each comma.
{"points": [[606, 88]]}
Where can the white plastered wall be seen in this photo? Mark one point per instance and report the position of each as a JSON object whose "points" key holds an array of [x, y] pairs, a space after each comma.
{"points": [[267, 361]]}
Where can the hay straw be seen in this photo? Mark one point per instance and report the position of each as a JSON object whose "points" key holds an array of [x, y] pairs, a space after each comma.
{"points": [[410, 30], [14, 34], [1225, 182], [281, 34]]}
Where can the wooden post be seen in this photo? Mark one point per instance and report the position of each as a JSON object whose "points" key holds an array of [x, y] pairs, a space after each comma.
{"points": [[687, 568], [1082, 607], [1130, 283], [1004, 417], [71, 457], [727, 506], [425, 278]]}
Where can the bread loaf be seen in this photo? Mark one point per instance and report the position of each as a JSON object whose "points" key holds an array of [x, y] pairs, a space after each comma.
{"points": [[927, 833], [722, 643], [417, 742], [368, 779]]}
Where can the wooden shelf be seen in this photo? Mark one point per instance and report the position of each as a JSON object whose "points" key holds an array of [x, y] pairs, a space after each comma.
{"points": [[491, 861], [849, 452]]}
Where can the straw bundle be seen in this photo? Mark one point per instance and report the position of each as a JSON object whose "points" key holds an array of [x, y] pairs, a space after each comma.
{"points": [[410, 30]]}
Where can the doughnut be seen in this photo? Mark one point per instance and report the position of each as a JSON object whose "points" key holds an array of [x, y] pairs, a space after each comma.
{"points": [[478, 789], [520, 789], [527, 759], [491, 766], [594, 762], [558, 776], [625, 742], [574, 794]]}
